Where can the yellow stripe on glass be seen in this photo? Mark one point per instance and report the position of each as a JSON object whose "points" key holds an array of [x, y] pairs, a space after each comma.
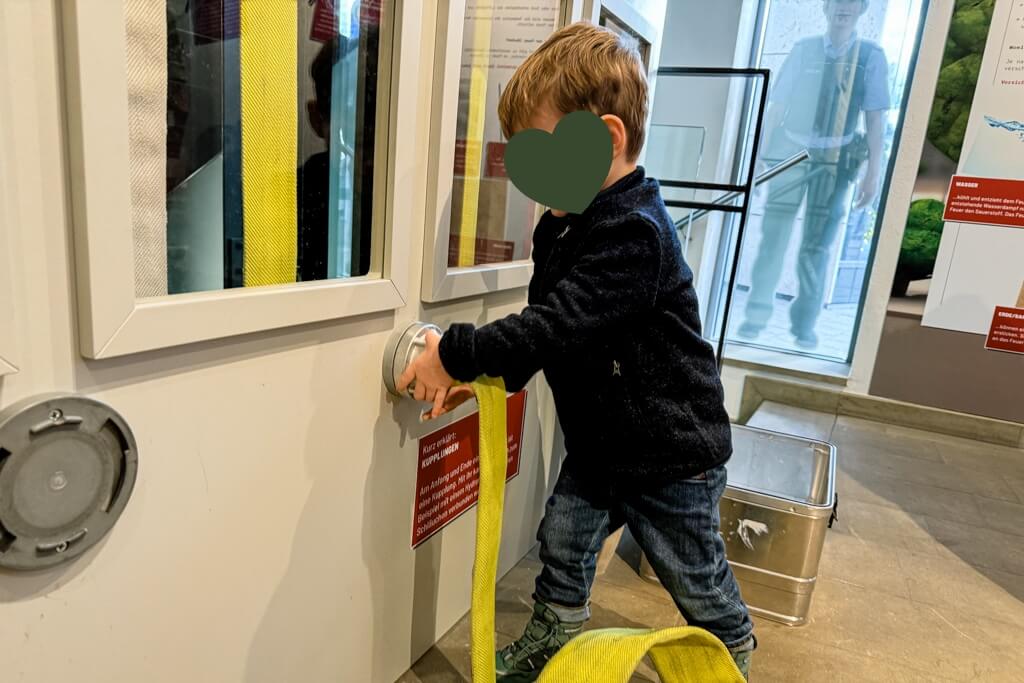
{"points": [[269, 76], [479, 64], [683, 654]]}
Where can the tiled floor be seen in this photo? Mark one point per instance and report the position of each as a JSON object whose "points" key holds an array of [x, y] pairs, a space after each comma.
{"points": [[834, 329], [921, 579]]}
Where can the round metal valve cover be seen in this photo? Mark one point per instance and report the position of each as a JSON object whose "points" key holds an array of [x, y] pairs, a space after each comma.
{"points": [[67, 469], [401, 349]]}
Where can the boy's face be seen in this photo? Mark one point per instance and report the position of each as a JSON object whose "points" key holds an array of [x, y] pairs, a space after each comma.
{"points": [[547, 117]]}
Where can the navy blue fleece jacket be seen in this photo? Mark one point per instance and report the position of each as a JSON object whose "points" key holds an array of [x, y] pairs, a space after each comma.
{"points": [[613, 322]]}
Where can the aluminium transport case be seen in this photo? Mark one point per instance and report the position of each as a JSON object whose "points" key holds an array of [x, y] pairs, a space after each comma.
{"points": [[776, 510], [779, 502]]}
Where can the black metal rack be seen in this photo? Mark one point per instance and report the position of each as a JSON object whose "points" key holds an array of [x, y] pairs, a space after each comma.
{"points": [[741, 192]]}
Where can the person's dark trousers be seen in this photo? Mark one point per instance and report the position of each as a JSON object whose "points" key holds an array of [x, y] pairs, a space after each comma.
{"points": [[675, 523], [825, 180]]}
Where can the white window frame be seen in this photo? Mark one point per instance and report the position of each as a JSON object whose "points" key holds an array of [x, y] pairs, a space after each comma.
{"points": [[645, 27], [112, 320], [8, 366], [441, 282]]}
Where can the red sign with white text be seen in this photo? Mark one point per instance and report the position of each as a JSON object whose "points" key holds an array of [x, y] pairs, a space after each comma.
{"points": [[989, 201], [494, 159], [448, 469], [495, 166], [325, 21], [1007, 331]]}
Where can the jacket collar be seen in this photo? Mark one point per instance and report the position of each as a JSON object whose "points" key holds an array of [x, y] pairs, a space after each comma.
{"points": [[616, 191]]}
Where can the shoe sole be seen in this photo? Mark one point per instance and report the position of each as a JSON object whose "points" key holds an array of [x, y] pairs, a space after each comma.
{"points": [[517, 677]]}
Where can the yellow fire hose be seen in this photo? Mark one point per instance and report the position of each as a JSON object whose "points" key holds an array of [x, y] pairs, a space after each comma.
{"points": [[684, 654]]}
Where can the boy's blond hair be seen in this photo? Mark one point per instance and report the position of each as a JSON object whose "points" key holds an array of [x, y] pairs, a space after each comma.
{"points": [[580, 67]]}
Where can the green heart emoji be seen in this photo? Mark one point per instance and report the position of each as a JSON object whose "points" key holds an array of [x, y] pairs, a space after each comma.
{"points": [[563, 170]]}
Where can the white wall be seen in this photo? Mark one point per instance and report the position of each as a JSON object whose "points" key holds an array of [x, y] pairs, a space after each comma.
{"points": [[698, 37], [268, 536]]}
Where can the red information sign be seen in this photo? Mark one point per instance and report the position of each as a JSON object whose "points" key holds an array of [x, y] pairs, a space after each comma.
{"points": [[325, 21], [494, 159], [485, 250], [1007, 331], [495, 167], [447, 476], [460, 157], [990, 201]]}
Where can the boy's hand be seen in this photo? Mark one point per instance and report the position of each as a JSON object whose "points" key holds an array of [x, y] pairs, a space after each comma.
{"points": [[432, 380], [454, 398]]}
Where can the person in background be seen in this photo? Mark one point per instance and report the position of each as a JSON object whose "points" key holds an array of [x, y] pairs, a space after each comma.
{"points": [[826, 86]]}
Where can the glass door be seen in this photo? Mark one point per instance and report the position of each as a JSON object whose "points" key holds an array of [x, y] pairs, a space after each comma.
{"points": [[840, 75]]}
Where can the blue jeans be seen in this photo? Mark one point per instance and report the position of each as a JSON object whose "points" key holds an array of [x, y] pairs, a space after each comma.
{"points": [[676, 525]]}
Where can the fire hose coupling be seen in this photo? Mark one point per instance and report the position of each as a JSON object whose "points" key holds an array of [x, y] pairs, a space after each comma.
{"points": [[402, 348]]}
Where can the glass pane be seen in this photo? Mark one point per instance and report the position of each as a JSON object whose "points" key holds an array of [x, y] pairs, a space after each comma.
{"points": [[675, 152], [839, 74], [630, 37], [696, 136], [270, 142], [491, 221]]}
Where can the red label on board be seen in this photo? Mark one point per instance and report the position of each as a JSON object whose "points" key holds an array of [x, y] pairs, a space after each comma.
{"points": [[990, 201], [369, 12], [1007, 330], [447, 475], [484, 250], [325, 21], [460, 157], [494, 160], [495, 167]]}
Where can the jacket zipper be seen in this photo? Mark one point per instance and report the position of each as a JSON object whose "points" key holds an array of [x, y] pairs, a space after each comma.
{"points": [[551, 256]]}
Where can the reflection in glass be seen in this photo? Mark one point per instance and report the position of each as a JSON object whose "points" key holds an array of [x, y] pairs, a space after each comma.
{"points": [[336, 77], [491, 221], [675, 152], [629, 36], [838, 78]]}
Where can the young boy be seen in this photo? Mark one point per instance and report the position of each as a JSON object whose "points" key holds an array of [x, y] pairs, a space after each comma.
{"points": [[613, 323]]}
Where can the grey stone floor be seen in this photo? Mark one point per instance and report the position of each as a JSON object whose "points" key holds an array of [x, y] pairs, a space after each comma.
{"points": [[921, 579], [834, 329]]}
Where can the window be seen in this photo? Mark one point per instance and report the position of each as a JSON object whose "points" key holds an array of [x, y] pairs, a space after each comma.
{"points": [[199, 147], [629, 36], [840, 73], [267, 157], [491, 221]]}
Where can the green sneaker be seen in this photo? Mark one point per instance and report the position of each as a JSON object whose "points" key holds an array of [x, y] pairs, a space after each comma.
{"points": [[523, 660]]}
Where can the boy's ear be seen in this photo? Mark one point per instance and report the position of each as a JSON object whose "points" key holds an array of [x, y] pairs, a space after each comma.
{"points": [[617, 129]]}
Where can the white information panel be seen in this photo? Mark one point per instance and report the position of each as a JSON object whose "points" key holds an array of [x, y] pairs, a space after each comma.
{"points": [[980, 266]]}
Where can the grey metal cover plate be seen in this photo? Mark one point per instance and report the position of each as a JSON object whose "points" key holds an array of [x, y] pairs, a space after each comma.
{"points": [[402, 347], [67, 469]]}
